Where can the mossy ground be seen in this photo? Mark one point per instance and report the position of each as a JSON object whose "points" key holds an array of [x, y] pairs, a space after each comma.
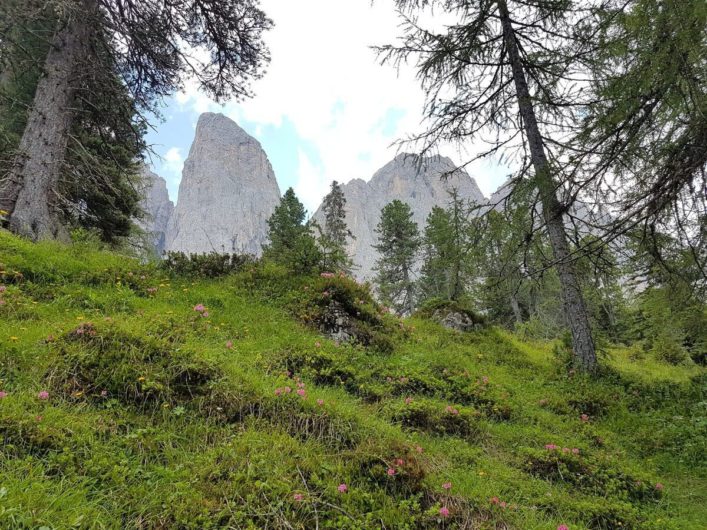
{"points": [[160, 417]]}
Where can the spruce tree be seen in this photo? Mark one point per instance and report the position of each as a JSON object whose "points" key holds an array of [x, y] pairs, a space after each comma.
{"points": [[334, 235], [398, 246], [290, 240]]}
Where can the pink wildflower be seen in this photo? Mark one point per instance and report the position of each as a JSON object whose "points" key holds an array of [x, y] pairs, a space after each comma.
{"points": [[575, 451], [299, 497], [287, 390], [343, 488], [563, 527], [199, 308], [447, 486], [3, 288], [565, 449], [205, 314], [485, 380], [318, 344], [419, 449], [659, 486], [551, 447], [327, 275], [278, 391], [408, 400], [3, 395], [391, 471], [43, 395], [503, 504], [584, 418], [301, 392], [320, 402], [399, 462], [38, 418], [494, 500], [444, 511], [543, 402], [229, 344]]}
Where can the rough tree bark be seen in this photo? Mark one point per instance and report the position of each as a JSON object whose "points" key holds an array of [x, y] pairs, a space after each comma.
{"points": [[29, 193], [575, 308]]}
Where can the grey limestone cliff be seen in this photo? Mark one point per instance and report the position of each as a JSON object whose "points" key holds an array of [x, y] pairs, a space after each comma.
{"points": [[227, 193], [157, 209], [418, 184]]}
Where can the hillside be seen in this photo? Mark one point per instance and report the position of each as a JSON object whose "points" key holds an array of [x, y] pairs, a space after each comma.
{"points": [[133, 398]]}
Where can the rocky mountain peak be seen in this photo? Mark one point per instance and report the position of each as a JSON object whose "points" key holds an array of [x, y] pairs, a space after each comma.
{"points": [[227, 193], [157, 207]]}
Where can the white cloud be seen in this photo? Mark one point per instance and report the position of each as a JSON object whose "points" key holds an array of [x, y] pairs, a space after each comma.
{"points": [[326, 80], [173, 161]]}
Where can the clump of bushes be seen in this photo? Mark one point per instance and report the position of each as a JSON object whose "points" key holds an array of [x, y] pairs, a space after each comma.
{"points": [[96, 364], [435, 418], [211, 265]]}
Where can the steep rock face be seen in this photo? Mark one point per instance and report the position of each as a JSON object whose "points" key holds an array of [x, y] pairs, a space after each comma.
{"points": [[157, 207], [227, 193], [419, 185]]}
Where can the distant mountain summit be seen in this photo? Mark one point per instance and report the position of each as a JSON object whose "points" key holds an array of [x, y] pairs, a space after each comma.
{"points": [[157, 207], [421, 183], [227, 193]]}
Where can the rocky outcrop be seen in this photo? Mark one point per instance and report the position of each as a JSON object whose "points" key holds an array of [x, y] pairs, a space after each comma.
{"points": [[157, 209], [227, 193], [419, 183]]}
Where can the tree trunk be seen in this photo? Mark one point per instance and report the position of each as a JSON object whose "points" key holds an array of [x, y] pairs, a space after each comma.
{"points": [[575, 308], [30, 195], [516, 309]]}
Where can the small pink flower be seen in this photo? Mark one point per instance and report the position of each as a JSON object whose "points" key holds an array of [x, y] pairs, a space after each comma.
{"points": [[327, 275], [408, 400], [494, 500], [444, 511], [563, 527], [565, 449], [298, 497], [419, 449], [551, 447], [485, 380], [318, 344], [575, 451], [399, 462], [229, 344], [199, 308], [38, 418], [278, 391], [543, 402], [3, 395], [287, 390], [320, 402], [503, 504], [3, 288], [659, 486], [43, 395], [447, 486], [343, 488], [205, 314], [584, 418], [301, 392], [390, 471]]}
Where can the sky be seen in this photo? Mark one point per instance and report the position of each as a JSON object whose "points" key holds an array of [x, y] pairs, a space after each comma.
{"points": [[325, 110]]}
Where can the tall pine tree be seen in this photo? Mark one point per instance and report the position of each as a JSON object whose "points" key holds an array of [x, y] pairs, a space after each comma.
{"points": [[334, 235], [398, 246]]}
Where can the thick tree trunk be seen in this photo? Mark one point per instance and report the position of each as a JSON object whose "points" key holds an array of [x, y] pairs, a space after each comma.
{"points": [[575, 308], [30, 195]]}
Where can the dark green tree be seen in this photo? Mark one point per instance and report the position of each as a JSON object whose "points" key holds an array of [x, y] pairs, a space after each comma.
{"points": [[291, 242], [149, 46], [334, 235], [398, 246]]}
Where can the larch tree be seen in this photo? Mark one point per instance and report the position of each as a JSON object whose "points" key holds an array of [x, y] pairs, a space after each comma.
{"points": [[504, 73], [398, 246], [334, 235], [151, 47]]}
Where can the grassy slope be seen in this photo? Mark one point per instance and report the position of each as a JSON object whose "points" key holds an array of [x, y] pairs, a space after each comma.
{"points": [[192, 435]]}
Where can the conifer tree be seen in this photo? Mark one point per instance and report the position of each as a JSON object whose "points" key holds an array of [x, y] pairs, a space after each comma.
{"points": [[398, 246], [290, 240], [334, 235]]}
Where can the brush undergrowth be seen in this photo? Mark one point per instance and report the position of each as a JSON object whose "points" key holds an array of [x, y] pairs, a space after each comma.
{"points": [[144, 398]]}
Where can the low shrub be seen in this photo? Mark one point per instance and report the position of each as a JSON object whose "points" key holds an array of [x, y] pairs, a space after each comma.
{"points": [[211, 265]]}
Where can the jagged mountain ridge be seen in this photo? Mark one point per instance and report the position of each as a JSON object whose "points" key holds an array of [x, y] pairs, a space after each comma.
{"points": [[417, 182], [158, 209]]}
